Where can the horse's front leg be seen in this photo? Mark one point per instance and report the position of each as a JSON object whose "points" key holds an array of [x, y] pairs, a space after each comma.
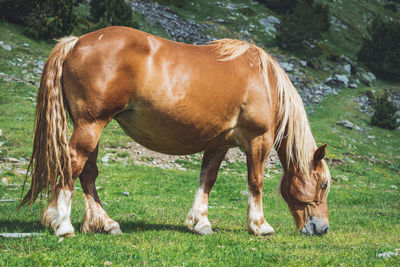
{"points": [[197, 219], [57, 213], [257, 151]]}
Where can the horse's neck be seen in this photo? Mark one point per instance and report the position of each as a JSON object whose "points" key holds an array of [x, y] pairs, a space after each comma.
{"points": [[293, 162]]}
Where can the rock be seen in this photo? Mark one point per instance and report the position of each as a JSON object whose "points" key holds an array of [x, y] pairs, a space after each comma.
{"points": [[18, 235], [347, 124], [338, 80], [12, 160], [177, 28], [26, 44], [366, 78], [353, 85], [1, 132], [244, 193], [303, 63], [387, 254], [269, 24], [287, 66], [5, 46], [267, 175], [106, 158], [125, 194], [347, 68], [7, 200]]}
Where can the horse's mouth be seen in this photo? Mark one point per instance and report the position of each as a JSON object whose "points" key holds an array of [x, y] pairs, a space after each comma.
{"points": [[315, 226]]}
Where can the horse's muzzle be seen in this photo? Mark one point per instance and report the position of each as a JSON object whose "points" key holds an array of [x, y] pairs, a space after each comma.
{"points": [[315, 226]]}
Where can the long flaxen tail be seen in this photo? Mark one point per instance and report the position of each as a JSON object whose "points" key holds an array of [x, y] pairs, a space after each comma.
{"points": [[50, 163]]}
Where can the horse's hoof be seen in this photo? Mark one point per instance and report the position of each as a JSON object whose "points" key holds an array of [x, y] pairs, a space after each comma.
{"points": [[266, 229], [115, 231], [203, 228], [263, 229], [206, 230]]}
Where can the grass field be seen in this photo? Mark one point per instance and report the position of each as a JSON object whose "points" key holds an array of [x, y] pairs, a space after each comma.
{"points": [[364, 201]]}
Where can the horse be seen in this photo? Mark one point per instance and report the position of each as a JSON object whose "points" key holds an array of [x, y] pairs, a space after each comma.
{"points": [[179, 99]]}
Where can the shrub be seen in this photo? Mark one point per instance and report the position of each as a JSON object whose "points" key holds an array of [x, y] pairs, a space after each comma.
{"points": [[280, 6], [43, 18], [303, 28], [111, 12], [384, 115], [381, 53]]}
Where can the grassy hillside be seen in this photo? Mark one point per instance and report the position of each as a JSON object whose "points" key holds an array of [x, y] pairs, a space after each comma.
{"points": [[364, 200]]}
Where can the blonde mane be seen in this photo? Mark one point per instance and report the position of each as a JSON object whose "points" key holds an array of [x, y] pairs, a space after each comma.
{"points": [[292, 123]]}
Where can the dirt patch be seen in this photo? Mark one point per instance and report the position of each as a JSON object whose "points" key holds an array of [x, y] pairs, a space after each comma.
{"points": [[143, 156]]}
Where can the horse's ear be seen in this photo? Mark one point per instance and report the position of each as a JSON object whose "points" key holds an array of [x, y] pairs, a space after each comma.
{"points": [[319, 154]]}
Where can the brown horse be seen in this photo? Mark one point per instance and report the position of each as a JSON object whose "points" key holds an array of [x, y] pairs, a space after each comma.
{"points": [[178, 99]]}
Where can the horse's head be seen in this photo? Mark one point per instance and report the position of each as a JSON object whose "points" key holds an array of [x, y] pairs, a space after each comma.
{"points": [[306, 196]]}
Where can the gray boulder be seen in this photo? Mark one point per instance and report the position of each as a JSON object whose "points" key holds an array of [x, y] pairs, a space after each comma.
{"points": [[269, 24], [338, 80], [347, 124]]}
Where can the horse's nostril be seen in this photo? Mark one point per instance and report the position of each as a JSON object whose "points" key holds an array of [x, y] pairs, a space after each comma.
{"points": [[325, 231]]}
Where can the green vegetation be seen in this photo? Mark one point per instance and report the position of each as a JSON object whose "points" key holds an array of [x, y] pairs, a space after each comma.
{"points": [[280, 6], [302, 29], [382, 52], [363, 201], [108, 13], [384, 115], [43, 19]]}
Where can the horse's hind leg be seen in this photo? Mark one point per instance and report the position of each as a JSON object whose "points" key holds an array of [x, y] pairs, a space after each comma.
{"points": [[83, 142], [96, 218], [257, 150], [197, 219]]}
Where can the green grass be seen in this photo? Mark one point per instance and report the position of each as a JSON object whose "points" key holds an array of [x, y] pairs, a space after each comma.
{"points": [[364, 207]]}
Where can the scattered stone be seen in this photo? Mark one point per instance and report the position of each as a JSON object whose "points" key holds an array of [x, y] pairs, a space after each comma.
{"points": [[371, 136], [26, 44], [394, 187], [267, 175], [12, 160], [347, 124], [366, 78], [244, 193], [107, 263], [303, 63], [1, 132], [338, 80], [287, 66], [19, 235], [125, 194], [5, 46], [353, 85], [387, 254], [347, 68], [269, 24], [179, 29], [7, 200], [106, 158]]}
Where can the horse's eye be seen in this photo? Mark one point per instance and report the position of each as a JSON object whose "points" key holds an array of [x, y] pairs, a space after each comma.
{"points": [[324, 186]]}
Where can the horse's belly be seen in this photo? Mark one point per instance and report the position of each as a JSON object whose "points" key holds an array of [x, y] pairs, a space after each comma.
{"points": [[165, 134]]}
